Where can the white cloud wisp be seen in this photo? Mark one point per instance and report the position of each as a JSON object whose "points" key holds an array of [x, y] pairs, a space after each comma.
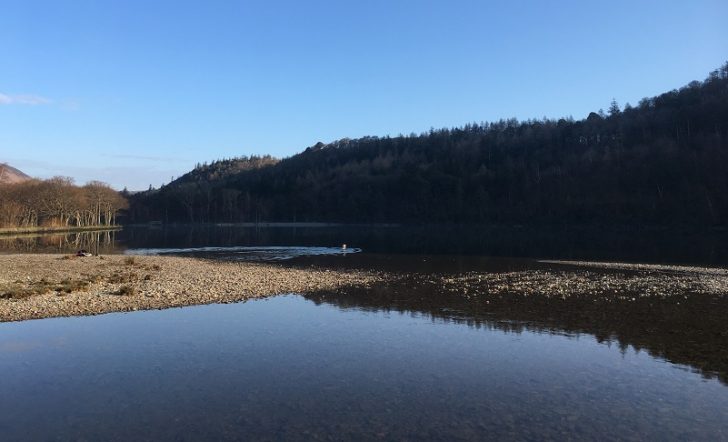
{"points": [[29, 100]]}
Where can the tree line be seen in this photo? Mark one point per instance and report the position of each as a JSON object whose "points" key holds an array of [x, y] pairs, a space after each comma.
{"points": [[660, 162], [58, 203]]}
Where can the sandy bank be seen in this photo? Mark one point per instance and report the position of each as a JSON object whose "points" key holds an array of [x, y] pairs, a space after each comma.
{"points": [[42, 286]]}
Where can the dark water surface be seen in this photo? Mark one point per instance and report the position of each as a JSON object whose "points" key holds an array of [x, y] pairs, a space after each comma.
{"points": [[628, 245], [287, 367]]}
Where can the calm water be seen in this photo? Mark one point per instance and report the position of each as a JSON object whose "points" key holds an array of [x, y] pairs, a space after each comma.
{"points": [[287, 367], [555, 243], [398, 361]]}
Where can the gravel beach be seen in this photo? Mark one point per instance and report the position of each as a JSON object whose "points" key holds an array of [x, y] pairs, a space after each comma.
{"points": [[43, 286], [36, 286]]}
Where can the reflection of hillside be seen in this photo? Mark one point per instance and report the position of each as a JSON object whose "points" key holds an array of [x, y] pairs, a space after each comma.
{"points": [[97, 242], [688, 330], [553, 243]]}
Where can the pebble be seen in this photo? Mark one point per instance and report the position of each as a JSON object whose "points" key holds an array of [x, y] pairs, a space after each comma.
{"points": [[173, 282]]}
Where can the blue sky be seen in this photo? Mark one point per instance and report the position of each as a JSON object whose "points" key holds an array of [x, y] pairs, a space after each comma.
{"points": [[135, 92]]}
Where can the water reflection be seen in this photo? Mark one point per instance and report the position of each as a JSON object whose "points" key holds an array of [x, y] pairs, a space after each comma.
{"points": [[286, 368], [97, 242], [689, 330], [657, 246]]}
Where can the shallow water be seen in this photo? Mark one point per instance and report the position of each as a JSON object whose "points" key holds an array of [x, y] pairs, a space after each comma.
{"points": [[286, 367]]}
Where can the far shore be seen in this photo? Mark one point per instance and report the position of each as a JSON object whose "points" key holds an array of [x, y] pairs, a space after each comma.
{"points": [[63, 229]]}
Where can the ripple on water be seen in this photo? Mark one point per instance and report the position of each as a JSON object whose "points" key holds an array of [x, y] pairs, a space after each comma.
{"points": [[248, 253]]}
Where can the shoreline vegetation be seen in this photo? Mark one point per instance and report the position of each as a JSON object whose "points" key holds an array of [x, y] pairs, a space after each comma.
{"points": [[6, 231], [57, 203]]}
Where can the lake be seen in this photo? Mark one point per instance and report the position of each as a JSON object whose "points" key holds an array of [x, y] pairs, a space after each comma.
{"points": [[657, 246], [399, 361]]}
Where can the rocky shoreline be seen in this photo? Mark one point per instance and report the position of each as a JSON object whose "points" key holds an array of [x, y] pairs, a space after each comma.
{"points": [[43, 286], [34, 286]]}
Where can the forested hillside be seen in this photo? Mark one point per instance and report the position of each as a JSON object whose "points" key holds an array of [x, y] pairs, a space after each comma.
{"points": [[661, 162]]}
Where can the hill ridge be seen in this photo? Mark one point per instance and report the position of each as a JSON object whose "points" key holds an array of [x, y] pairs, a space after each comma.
{"points": [[660, 162], [11, 175]]}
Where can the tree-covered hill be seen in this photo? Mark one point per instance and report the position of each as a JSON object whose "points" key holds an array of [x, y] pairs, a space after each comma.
{"points": [[662, 162]]}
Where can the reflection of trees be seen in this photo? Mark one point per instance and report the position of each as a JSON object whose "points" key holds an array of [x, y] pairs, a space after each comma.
{"points": [[555, 242], [98, 242], [689, 330]]}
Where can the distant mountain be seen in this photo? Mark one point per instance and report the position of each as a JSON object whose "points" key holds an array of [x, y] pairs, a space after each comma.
{"points": [[661, 162], [11, 175]]}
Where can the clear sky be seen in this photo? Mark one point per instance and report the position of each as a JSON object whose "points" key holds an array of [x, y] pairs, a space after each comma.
{"points": [[135, 92]]}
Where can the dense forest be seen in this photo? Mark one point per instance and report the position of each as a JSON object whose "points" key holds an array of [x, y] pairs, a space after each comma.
{"points": [[58, 203], [661, 162]]}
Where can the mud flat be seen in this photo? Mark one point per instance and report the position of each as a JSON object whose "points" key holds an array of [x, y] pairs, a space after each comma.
{"points": [[42, 286]]}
